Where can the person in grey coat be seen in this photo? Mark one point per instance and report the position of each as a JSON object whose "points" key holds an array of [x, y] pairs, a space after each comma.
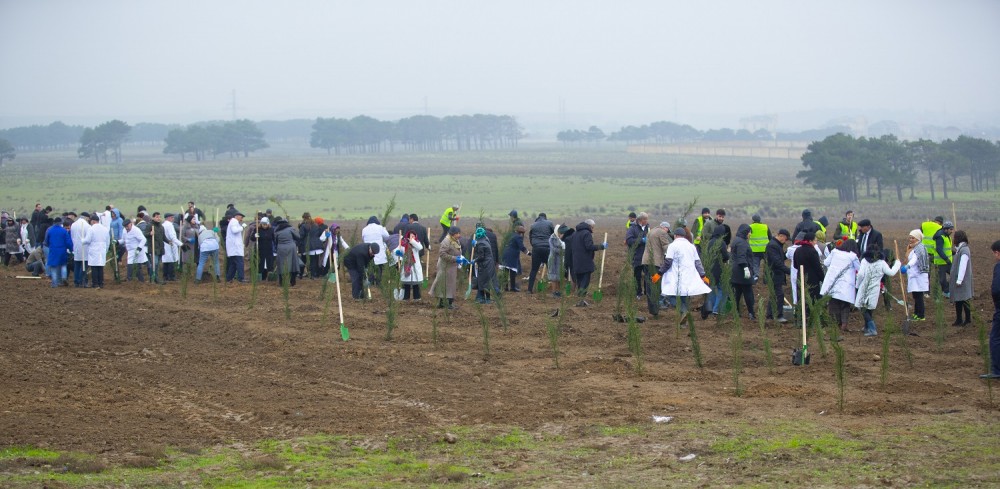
{"points": [[286, 241], [539, 235], [961, 279]]}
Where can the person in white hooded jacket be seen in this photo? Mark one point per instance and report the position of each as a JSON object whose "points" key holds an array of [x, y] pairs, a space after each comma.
{"points": [[842, 267], [917, 271], [873, 268], [374, 232], [682, 272], [171, 248], [135, 250]]}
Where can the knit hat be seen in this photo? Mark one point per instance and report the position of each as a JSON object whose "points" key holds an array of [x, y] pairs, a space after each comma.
{"points": [[512, 213], [947, 225], [265, 220], [665, 224], [319, 220], [480, 233], [454, 230], [824, 221], [916, 233]]}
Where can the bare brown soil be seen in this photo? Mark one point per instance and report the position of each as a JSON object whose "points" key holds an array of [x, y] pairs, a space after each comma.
{"points": [[108, 371]]}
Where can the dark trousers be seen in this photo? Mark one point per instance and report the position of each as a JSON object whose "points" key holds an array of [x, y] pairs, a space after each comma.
{"points": [[97, 276], [943, 272], [79, 275], [776, 308], [582, 282], [995, 343], [746, 292], [444, 232], [960, 308], [36, 268], [652, 299], [409, 290], [357, 283], [234, 268], [918, 304], [840, 311], [539, 255], [641, 288], [315, 267], [169, 271]]}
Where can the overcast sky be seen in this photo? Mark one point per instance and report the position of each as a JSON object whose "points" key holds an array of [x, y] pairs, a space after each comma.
{"points": [[630, 62]]}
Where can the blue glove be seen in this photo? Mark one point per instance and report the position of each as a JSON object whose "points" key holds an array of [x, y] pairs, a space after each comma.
{"points": [[903, 269], [399, 253], [474, 241], [462, 261], [643, 240], [605, 245]]}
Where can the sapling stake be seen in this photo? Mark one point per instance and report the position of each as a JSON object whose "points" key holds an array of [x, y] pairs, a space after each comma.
{"points": [[902, 290], [344, 333], [468, 291]]}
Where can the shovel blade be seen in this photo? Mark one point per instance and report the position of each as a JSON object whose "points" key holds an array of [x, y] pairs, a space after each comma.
{"points": [[598, 296], [344, 333], [542, 285]]}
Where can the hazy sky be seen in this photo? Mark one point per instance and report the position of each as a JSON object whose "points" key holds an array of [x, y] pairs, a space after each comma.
{"points": [[702, 62]]}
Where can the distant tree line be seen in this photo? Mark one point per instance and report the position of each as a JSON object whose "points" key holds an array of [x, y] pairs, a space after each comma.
{"points": [[666, 132], [236, 138], [364, 134], [96, 142], [846, 163]]}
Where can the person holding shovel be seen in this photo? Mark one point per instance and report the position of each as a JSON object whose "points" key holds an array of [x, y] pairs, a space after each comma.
{"points": [[917, 271], [583, 248], [449, 260], [556, 262], [448, 219]]}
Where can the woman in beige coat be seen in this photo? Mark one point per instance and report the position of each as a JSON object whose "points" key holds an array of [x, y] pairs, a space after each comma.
{"points": [[449, 260]]}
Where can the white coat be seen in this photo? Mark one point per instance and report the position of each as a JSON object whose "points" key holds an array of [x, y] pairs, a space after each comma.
{"points": [[97, 239], [416, 274], [234, 238], [869, 281], [916, 281], [376, 233], [77, 231], [135, 245], [683, 278], [841, 270], [328, 246], [794, 282], [171, 245]]}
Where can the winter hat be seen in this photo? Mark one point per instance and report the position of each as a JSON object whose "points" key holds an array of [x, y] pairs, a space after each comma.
{"points": [[480, 233], [512, 213], [542, 215], [562, 229], [319, 220], [916, 233], [265, 220], [939, 219], [947, 225], [824, 221], [755, 218], [682, 222], [454, 230], [665, 225], [632, 215]]}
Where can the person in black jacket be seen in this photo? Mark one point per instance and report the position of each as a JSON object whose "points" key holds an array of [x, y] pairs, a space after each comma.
{"points": [[807, 257], [742, 266], [486, 268], [538, 236], [422, 235], [356, 262], [868, 237], [512, 258], [635, 240], [715, 256], [994, 372], [774, 258], [582, 244], [807, 224]]}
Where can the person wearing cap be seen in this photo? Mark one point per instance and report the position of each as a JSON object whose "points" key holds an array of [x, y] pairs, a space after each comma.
{"points": [[583, 248], [59, 243], [171, 249], [657, 241], [760, 235], [774, 259], [942, 256], [631, 220], [538, 236], [682, 273], [930, 228], [917, 270], [868, 237], [847, 226], [449, 260], [356, 262], [97, 240], [286, 251], [78, 230], [635, 240], [699, 226], [231, 212], [134, 243], [515, 221], [234, 248], [682, 223], [448, 219], [556, 260], [961, 279], [807, 224]]}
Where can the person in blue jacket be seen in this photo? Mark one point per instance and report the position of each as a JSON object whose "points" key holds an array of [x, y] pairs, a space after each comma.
{"points": [[60, 245]]}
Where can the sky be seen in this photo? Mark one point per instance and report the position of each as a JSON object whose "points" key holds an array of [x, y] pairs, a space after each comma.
{"points": [[567, 63]]}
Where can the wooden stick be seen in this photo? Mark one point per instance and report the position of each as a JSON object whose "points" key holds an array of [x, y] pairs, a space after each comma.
{"points": [[802, 299], [902, 290], [954, 217], [28, 277], [600, 278]]}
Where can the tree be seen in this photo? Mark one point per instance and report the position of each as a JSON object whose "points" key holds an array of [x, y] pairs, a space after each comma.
{"points": [[834, 163], [7, 151], [112, 134], [92, 146]]}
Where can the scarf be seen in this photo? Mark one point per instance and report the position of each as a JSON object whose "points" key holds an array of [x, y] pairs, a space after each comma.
{"points": [[407, 252]]}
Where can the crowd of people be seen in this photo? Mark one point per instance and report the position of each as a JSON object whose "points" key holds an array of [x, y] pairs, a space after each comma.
{"points": [[848, 261]]}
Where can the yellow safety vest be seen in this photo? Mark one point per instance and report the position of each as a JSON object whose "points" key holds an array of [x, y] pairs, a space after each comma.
{"points": [[946, 242], [699, 226], [929, 228], [446, 217], [852, 232], [758, 237], [821, 227]]}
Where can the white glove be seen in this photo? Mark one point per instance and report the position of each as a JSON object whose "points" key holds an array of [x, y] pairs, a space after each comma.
{"points": [[245, 225], [746, 273]]}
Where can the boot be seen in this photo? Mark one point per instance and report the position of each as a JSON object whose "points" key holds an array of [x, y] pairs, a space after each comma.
{"points": [[870, 328]]}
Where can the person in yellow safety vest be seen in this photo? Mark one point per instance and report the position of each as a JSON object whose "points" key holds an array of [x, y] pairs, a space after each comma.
{"points": [[699, 225], [630, 221], [847, 227], [758, 238], [823, 222], [930, 228], [448, 219], [942, 255]]}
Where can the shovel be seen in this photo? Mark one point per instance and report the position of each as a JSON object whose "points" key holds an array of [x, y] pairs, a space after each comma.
{"points": [[801, 357], [906, 310], [344, 333], [427, 266], [543, 281], [598, 295], [468, 291]]}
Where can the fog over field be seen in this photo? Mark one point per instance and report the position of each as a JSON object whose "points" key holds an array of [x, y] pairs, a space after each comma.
{"points": [[563, 64]]}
